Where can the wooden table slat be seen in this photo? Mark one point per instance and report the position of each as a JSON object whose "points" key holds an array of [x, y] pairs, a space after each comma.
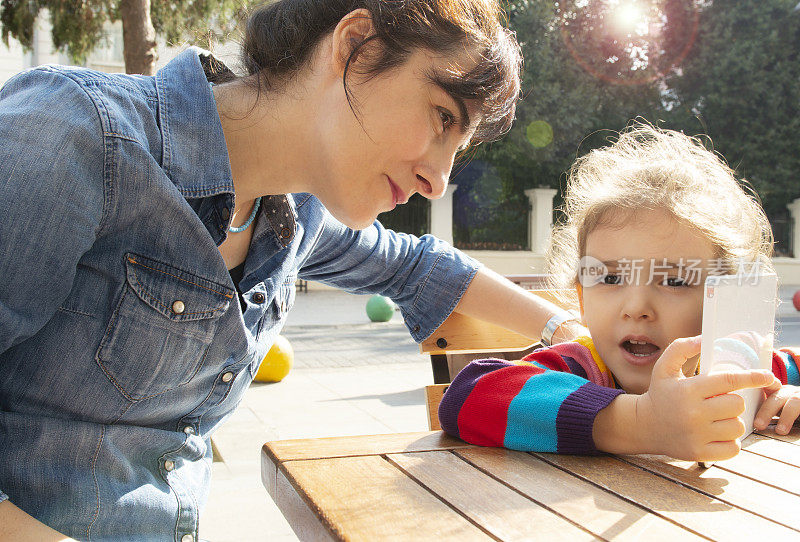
{"points": [[596, 510], [692, 509], [368, 498], [502, 511], [299, 449], [793, 437], [767, 445], [765, 470], [756, 497], [303, 518]]}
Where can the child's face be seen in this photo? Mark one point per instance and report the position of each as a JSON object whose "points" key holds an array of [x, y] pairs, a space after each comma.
{"points": [[624, 310]]}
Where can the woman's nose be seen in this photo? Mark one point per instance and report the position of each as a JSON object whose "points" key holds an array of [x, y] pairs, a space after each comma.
{"points": [[433, 176], [431, 186]]}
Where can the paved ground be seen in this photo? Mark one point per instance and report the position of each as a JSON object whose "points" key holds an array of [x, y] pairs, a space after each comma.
{"points": [[350, 377]]}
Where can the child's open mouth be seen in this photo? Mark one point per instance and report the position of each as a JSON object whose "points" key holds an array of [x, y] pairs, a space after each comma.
{"points": [[640, 352]]}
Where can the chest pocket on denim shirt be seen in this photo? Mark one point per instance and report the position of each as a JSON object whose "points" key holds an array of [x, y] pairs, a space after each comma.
{"points": [[161, 329]]}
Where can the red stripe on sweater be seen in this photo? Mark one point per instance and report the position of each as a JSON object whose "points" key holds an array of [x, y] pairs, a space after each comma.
{"points": [[549, 359], [778, 368], [483, 416]]}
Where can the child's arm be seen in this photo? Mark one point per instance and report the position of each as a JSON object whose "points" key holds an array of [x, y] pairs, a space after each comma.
{"points": [[692, 418], [784, 394], [533, 408], [537, 406]]}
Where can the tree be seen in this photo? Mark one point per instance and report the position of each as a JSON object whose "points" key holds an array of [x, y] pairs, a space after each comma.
{"points": [[78, 26], [730, 70], [740, 85], [567, 110]]}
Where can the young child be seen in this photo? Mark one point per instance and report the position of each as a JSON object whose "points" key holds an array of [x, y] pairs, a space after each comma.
{"points": [[654, 213]]}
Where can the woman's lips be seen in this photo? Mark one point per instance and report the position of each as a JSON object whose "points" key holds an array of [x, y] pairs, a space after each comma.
{"points": [[398, 197]]}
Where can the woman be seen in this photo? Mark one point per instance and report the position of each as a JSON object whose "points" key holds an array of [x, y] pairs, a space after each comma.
{"points": [[155, 226]]}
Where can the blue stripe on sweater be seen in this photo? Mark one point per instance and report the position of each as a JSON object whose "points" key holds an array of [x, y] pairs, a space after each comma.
{"points": [[792, 374], [533, 412]]}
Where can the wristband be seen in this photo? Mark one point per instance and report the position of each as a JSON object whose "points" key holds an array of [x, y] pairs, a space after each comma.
{"points": [[555, 321]]}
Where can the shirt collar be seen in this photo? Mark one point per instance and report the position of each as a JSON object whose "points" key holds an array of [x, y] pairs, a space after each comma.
{"points": [[195, 156]]}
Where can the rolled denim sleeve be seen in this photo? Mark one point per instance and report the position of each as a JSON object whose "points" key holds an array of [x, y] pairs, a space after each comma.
{"points": [[51, 195], [424, 275]]}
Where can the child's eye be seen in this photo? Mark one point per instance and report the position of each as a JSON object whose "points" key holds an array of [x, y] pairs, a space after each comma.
{"points": [[675, 282], [447, 118], [612, 279]]}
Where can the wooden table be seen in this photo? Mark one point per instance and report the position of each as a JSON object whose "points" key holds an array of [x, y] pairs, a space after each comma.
{"points": [[429, 486]]}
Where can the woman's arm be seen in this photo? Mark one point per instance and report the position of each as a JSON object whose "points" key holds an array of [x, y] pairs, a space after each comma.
{"points": [[17, 526], [493, 298]]}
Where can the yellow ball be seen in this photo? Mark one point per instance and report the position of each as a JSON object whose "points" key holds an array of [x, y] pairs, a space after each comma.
{"points": [[278, 361]]}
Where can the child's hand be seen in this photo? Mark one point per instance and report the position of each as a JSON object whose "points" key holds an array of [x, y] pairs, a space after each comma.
{"points": [[695, 418], [783, 399]]}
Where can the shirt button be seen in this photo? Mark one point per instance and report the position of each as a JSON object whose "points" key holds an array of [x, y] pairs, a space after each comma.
{"points": [[226, 214], [178, 307], [189, 430], [169, 465], [187, 538], [227, 377], [259, 298]]}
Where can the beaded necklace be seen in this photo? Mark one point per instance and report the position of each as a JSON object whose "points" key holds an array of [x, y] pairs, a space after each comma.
{"points": [[249, 220]]}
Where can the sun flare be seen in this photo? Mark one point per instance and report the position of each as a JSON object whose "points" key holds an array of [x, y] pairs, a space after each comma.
{"points": [[629, 16]]}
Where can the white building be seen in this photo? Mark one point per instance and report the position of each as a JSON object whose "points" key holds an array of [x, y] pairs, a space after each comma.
{"points": [[107, 57]]}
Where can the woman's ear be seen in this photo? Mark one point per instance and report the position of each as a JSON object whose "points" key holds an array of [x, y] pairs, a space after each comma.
{"points": [[352, 30]]}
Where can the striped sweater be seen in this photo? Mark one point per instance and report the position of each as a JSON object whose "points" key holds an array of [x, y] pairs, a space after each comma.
{"points": [[548, 401]]}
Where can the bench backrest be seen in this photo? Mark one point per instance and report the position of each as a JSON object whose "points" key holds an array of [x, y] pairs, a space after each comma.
{"points": [[460, 339]]}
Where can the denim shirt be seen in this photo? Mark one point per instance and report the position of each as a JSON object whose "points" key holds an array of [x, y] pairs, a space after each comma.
{"points": [[122, 344]]}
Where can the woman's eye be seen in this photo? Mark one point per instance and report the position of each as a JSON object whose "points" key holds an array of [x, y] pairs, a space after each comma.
{"points": [[447, 118], [612, 279], [675, 282]]}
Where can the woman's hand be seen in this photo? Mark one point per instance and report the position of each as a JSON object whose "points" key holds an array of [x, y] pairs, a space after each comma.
{"points": [[783, 399], [695, 418]]}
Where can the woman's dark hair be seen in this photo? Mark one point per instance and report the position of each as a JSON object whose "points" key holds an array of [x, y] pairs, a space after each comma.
{"points": [[280, 37]]}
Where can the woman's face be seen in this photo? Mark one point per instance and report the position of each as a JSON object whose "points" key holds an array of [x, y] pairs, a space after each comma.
{"points": [[402, 139]]}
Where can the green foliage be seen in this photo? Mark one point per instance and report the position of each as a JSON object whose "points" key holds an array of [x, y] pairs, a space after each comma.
{"points": [[578, 107], [727, 69], [203, 22], [78, 27], [741, 86]]}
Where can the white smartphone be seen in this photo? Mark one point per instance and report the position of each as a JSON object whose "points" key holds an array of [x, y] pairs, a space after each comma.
{"points": [[739, 330]]}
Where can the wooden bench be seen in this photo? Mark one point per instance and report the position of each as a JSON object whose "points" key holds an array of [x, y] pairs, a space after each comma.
{"points": [[461, 339]]}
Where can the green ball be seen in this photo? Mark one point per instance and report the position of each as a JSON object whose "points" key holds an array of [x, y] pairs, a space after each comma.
{"points": [[539, 133], [380, 308]]}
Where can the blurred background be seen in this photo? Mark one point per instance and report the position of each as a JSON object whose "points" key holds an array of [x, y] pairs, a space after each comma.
{"points": [[728, 70]]}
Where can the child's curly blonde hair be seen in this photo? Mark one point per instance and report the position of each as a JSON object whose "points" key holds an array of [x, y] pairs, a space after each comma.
{"points": [[652, 168]]}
